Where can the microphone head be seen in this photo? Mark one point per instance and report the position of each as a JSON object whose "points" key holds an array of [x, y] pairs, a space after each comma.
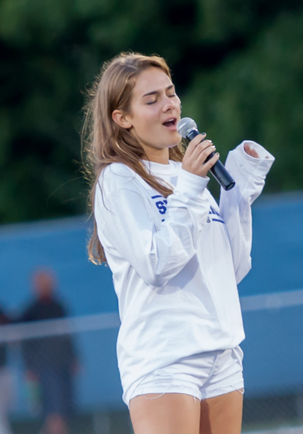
{"points": [[185, 125]]}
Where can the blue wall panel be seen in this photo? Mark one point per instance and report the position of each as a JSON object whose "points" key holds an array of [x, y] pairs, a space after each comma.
{"points": [[273, 346]]}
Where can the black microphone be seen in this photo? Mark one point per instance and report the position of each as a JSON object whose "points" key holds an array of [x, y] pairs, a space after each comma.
{"points": [[187, 128]]}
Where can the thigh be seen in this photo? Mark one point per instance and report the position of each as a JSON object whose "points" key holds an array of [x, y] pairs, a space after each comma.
{"points": [[222, 414], [6, 392], [168, 413]]}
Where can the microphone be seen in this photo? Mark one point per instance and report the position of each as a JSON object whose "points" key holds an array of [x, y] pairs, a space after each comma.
{"points": [[187, 128]]}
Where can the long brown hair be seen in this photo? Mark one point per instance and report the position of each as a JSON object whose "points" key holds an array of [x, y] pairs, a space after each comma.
{"points": [[103, 141]]}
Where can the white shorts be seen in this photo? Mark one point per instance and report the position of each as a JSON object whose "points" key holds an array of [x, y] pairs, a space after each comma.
{"points": [[203, 375]]}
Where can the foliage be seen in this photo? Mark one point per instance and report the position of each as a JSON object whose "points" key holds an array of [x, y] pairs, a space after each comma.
{"points": [[259, 96], [237, 66]]}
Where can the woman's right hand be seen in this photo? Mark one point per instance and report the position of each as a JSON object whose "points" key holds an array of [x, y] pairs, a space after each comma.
{"points": [[196, 154]]}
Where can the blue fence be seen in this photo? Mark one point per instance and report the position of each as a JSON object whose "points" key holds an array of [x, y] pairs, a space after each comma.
{"points": [[271, 296]]}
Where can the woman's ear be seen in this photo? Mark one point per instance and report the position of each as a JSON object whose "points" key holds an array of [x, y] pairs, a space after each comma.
{"points": [[121, 119]]}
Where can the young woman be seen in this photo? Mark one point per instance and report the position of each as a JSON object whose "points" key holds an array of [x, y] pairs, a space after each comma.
{"points": [[175, 255]]}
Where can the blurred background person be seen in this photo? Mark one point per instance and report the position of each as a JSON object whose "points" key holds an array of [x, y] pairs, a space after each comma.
{"points": [[50, 361], [5, 382]]}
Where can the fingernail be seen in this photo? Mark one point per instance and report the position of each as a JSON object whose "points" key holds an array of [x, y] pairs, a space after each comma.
{"points": [[203, 134]]}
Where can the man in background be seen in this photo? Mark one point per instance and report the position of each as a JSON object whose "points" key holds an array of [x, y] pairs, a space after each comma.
{"points": [[50, 360], [5, 382]]}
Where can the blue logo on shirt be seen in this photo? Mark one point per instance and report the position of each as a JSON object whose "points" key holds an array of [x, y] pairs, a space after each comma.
{"points": [[214, 216], [161, 203]]}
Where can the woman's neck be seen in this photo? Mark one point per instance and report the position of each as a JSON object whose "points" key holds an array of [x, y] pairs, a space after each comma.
{"points": [[160, 156]]}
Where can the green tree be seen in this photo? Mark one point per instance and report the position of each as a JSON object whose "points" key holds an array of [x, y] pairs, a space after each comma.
{"points": [[237, 68], [258, 95]]}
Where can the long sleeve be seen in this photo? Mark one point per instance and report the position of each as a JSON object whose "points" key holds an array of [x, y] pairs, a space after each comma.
{"points": [[126, 213], [235, 205], [164, 254]]}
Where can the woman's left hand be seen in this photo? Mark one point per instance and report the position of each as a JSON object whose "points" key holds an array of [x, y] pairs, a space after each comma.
{"points": [[250, 151]]}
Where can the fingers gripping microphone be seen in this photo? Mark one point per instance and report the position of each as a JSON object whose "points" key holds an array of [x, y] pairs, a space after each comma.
{"points": [[187, 128]]}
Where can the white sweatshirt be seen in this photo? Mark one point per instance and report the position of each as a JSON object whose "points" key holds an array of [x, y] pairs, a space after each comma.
{"points": [[176, 262]]}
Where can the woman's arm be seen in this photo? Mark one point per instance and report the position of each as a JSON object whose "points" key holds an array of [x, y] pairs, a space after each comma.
{"points": [[248, 164], [127, 224]]}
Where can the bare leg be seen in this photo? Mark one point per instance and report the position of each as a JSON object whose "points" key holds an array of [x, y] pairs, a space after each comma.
{"points": [[170, 413], [222, 414], [55, 424]]}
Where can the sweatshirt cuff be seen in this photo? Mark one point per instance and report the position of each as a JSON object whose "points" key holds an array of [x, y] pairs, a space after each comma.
{"points": [[265, 160], [190, 184]]}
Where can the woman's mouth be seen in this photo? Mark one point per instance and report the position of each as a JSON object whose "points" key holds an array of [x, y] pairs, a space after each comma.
{"points": [[171, 124]]}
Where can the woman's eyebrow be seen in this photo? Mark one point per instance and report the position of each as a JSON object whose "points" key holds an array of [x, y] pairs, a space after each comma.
{"points": [[155, 92]]}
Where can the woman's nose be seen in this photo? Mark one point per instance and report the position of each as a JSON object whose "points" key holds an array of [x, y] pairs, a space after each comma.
{"points": [[168, 103]]}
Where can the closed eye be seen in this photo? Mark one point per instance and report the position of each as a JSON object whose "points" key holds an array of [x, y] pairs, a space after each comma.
{"points": [[169, 96]]}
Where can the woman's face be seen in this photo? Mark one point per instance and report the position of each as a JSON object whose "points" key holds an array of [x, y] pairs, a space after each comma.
{"points": [[154, 114]]}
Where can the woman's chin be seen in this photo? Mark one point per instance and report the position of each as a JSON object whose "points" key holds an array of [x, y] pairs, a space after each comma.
{"points": [[176, 143]]}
